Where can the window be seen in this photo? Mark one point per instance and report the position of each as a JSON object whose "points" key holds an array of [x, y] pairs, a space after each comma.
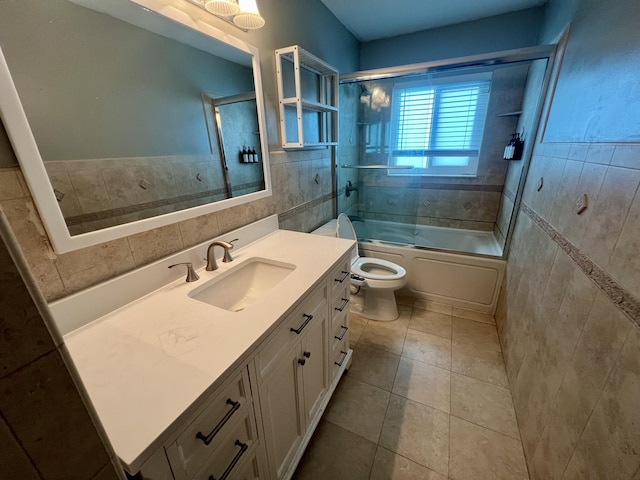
{"points": [[437, 127]]}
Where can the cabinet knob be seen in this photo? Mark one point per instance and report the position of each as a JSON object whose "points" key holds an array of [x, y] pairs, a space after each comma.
{"points": [[307, 354], [302, 361]]}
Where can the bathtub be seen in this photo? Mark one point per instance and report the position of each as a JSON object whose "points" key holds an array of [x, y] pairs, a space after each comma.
{"points": [[442, 238], [453, 278]]}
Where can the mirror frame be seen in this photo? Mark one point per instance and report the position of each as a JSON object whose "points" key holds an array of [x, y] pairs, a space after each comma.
{"points": [[17, 126]]}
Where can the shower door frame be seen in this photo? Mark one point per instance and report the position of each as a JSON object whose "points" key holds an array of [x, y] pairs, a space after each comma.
{"points": [[552, 53]]}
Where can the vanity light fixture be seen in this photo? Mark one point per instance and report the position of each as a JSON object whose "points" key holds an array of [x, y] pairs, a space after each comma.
{"points": [[244, 14]]}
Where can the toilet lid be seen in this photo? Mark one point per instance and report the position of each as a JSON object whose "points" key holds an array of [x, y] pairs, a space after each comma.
{"points": [[346, 230]]}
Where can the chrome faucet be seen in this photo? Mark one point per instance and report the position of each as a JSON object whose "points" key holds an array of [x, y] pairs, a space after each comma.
{"points": [[211, 257]]}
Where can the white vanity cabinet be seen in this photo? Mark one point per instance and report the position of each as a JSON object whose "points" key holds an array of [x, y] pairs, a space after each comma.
{"points": [[221, 435], [339, 286], [190, 391], [293, 378]]}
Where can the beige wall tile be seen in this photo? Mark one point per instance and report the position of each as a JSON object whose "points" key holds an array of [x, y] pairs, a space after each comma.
{"points": [[34, 243], [52, 439], [155, 244], [627, 156], [610, 444], [610, 210], [232, 218], [624, 264], [11, 187], [90, 189], [199, 229], [564, 206], [95, 264], [24, 335], [590, 182], [108, 472], [596, 351], [600, 153], [15, 463]]}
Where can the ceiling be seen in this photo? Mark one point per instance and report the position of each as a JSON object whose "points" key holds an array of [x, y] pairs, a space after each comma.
{"points": [[373, 19]]}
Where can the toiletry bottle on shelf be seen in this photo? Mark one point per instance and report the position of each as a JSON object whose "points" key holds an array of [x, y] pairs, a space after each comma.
{"points": [[252, 155], [245, 155]]}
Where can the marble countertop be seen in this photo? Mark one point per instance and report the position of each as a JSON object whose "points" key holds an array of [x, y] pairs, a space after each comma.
{"points": [[145, 364]]}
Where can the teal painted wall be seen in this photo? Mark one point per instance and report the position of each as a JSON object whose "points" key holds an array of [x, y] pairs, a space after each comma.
{"points": [[501, 32]]}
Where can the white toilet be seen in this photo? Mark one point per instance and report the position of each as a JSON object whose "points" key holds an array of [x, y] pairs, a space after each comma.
{"points": [[377, 279]]}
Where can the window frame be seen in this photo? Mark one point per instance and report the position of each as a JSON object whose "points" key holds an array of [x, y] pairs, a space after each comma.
{"points": [[431, 170]]}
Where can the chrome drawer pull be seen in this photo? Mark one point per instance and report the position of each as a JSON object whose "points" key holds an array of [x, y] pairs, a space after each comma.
{"points": [[344, 276], [344, 357], [299, 329], [236, 459], [207, 439], [344, 304], [344, 332]]}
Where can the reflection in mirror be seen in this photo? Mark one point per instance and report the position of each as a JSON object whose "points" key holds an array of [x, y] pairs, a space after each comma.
{"points": [[130, 123]]}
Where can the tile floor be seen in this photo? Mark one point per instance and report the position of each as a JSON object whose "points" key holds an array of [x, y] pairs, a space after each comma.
{"points": [[426, 398]]}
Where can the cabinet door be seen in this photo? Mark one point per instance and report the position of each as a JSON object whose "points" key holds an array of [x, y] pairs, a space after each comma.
{"points": [[315, 371], [280, 400]]}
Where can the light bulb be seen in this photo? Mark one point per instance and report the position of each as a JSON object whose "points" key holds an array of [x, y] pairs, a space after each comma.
{"points": [[248, 17], [222, 7]]}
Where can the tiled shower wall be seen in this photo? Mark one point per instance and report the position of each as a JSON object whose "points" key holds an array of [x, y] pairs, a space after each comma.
{"points": [[569, 313], [456, 202]]}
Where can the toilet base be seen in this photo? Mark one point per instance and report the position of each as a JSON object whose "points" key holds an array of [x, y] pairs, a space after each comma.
{"points": [[375, 304]]}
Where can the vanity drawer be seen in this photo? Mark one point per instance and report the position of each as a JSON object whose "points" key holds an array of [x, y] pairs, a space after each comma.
{"points": [[339, 329], [340, 304], [296, 324], [339, 355], [206, 432], [339, 276], [250, 470], [234, 449]]}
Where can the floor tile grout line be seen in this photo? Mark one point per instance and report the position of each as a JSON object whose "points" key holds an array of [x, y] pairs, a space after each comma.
{"points": [[488, 428]]}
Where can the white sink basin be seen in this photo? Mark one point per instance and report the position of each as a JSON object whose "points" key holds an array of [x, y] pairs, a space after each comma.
{"points": [[244, 285]]}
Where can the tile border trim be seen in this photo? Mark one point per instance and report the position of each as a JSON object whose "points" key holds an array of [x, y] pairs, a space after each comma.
{"points": [[292, 212], [620, 296], [114, 213]]}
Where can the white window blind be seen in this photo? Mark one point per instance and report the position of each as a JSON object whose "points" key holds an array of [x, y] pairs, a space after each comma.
{"points": [[438, 129]]}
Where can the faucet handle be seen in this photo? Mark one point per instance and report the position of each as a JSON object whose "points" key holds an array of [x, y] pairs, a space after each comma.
{"points": [[227, 251], [192, 276]]}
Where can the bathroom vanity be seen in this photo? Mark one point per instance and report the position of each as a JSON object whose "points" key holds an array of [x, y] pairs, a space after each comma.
{"points": [[226, 377]]}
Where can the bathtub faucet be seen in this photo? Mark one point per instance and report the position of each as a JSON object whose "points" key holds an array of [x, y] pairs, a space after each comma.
{"points": [[350, 188]]}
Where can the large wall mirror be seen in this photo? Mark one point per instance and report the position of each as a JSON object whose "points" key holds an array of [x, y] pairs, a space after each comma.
{"points": [[126, 119]]}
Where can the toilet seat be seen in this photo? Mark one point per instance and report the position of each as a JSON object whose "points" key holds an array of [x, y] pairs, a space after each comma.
{"points": [[378, 273], [392, 275]]}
